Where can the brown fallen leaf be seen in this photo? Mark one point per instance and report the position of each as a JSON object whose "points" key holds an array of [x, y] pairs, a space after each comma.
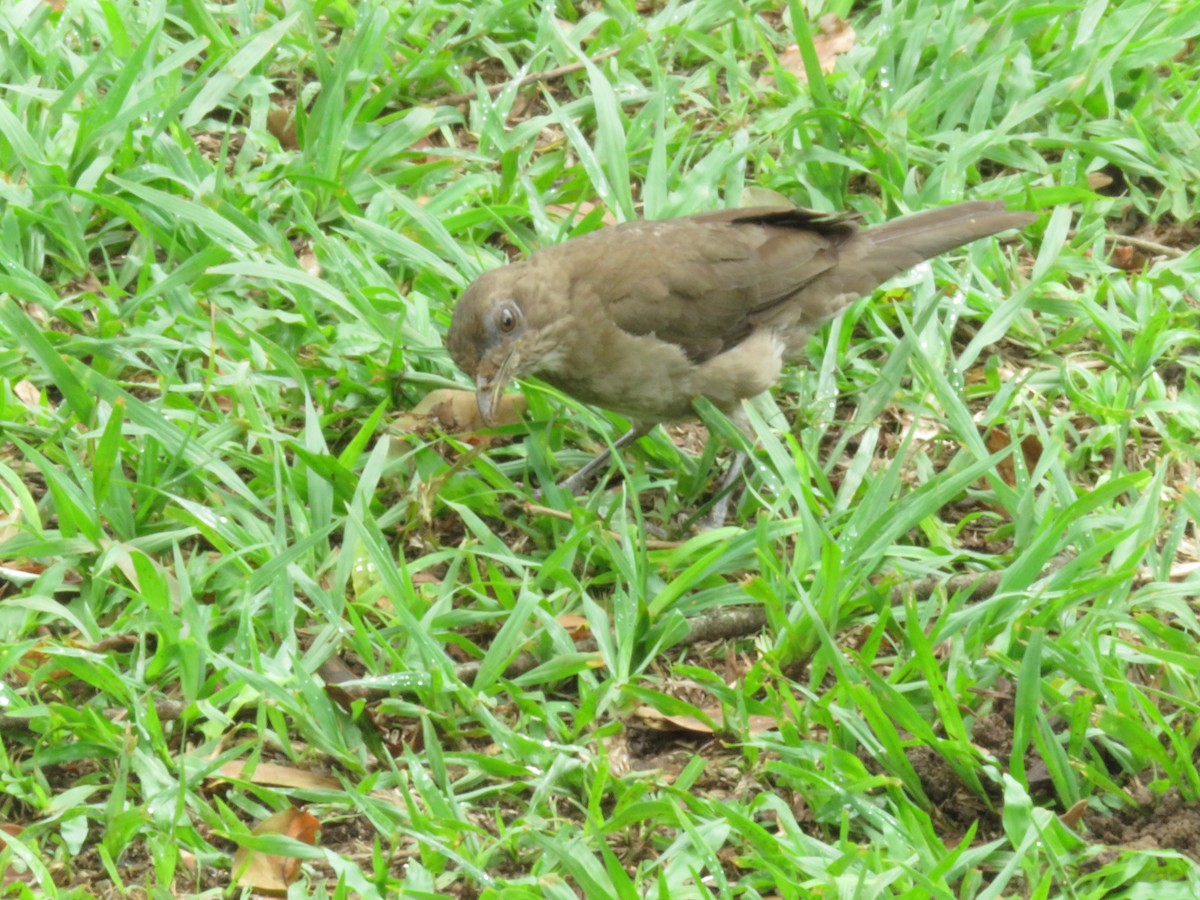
{"points": [[620, 758], [116, 643], [457, 412], [761, 196], [835, 39], [576, 626], [1031, 449], [279, 776], [425, 143], [575, 212], [1127, 259], [281, 123], [189, 866], [340, 684], [28, 393], [660, 721], [11, 513], [266, 872], [9, 874], [1072, 816], [308, 262]]}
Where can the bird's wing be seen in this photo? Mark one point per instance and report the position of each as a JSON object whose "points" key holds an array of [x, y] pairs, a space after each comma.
{"points": [[698, 282]]}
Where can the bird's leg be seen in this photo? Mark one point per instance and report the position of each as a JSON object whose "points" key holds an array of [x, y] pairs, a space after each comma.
{"points": [[725, 493], [579, 482]]}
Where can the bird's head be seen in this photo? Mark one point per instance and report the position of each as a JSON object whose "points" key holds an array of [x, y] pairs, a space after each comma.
{"points": [[502, 330]]}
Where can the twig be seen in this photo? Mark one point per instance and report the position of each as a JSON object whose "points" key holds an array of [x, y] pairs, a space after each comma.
{"points": [[731, 622], [1149, 246], [1140, 244], [166, 710], [524, 662], [526, 80], [727, 623], [979, 585], [742, 621]]}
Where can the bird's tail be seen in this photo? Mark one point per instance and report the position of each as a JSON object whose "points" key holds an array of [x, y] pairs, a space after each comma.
{"points": [[914, 238], [870, 256]]}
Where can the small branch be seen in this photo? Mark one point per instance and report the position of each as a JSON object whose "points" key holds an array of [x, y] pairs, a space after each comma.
{"points": [[742, 621], [1140, 244], [524, 662], [725, 624], [1149, 246], [534, 78], [166, 710], [733, 622], [979, 585]]}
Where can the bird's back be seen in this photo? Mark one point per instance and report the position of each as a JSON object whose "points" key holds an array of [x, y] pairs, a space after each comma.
{"points": [[706, 282], [697, 281]]}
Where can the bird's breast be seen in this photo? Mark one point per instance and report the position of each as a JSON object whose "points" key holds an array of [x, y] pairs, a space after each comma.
{"points": [[639, 376]]}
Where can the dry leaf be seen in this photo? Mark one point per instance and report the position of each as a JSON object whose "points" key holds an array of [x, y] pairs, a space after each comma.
{"points": [[281, 123], [1127, 258], [1183, 571], [1097, 180], [1072, 816], [659, 721], [761, 196], [8, 874], [456, 412], [836, 38], [340, 683], [10, 517], [272, 874], [576, 626], [280, 776], [1031, 450], [116, 643], [28, 393], [616, 748], [417, 146], [189, 866], [576, 211], [308, 262]]}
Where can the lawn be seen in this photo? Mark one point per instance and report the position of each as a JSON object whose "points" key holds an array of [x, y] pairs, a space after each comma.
{"points": [[277, 615]]}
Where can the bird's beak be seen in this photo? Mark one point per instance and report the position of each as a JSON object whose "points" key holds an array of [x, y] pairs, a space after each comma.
{"points": [[490, 383]]}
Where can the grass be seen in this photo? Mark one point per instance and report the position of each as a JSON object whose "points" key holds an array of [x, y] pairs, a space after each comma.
{"points": [[234, 582]]}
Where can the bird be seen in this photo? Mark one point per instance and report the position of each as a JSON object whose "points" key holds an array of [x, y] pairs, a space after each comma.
{"points": [[645, 317]]}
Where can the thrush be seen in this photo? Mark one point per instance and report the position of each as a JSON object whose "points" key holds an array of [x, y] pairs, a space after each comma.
{"points": [[644, 318]]}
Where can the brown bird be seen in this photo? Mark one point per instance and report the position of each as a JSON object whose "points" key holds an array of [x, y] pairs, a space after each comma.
{"points": [[645, 317]]}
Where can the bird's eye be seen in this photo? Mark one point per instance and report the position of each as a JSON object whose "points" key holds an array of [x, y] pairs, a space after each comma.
{"points": [[507, 319]]}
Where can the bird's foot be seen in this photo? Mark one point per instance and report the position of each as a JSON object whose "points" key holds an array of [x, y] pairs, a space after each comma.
{"points": [[582, 480], [714, 518], [579, 482]]}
